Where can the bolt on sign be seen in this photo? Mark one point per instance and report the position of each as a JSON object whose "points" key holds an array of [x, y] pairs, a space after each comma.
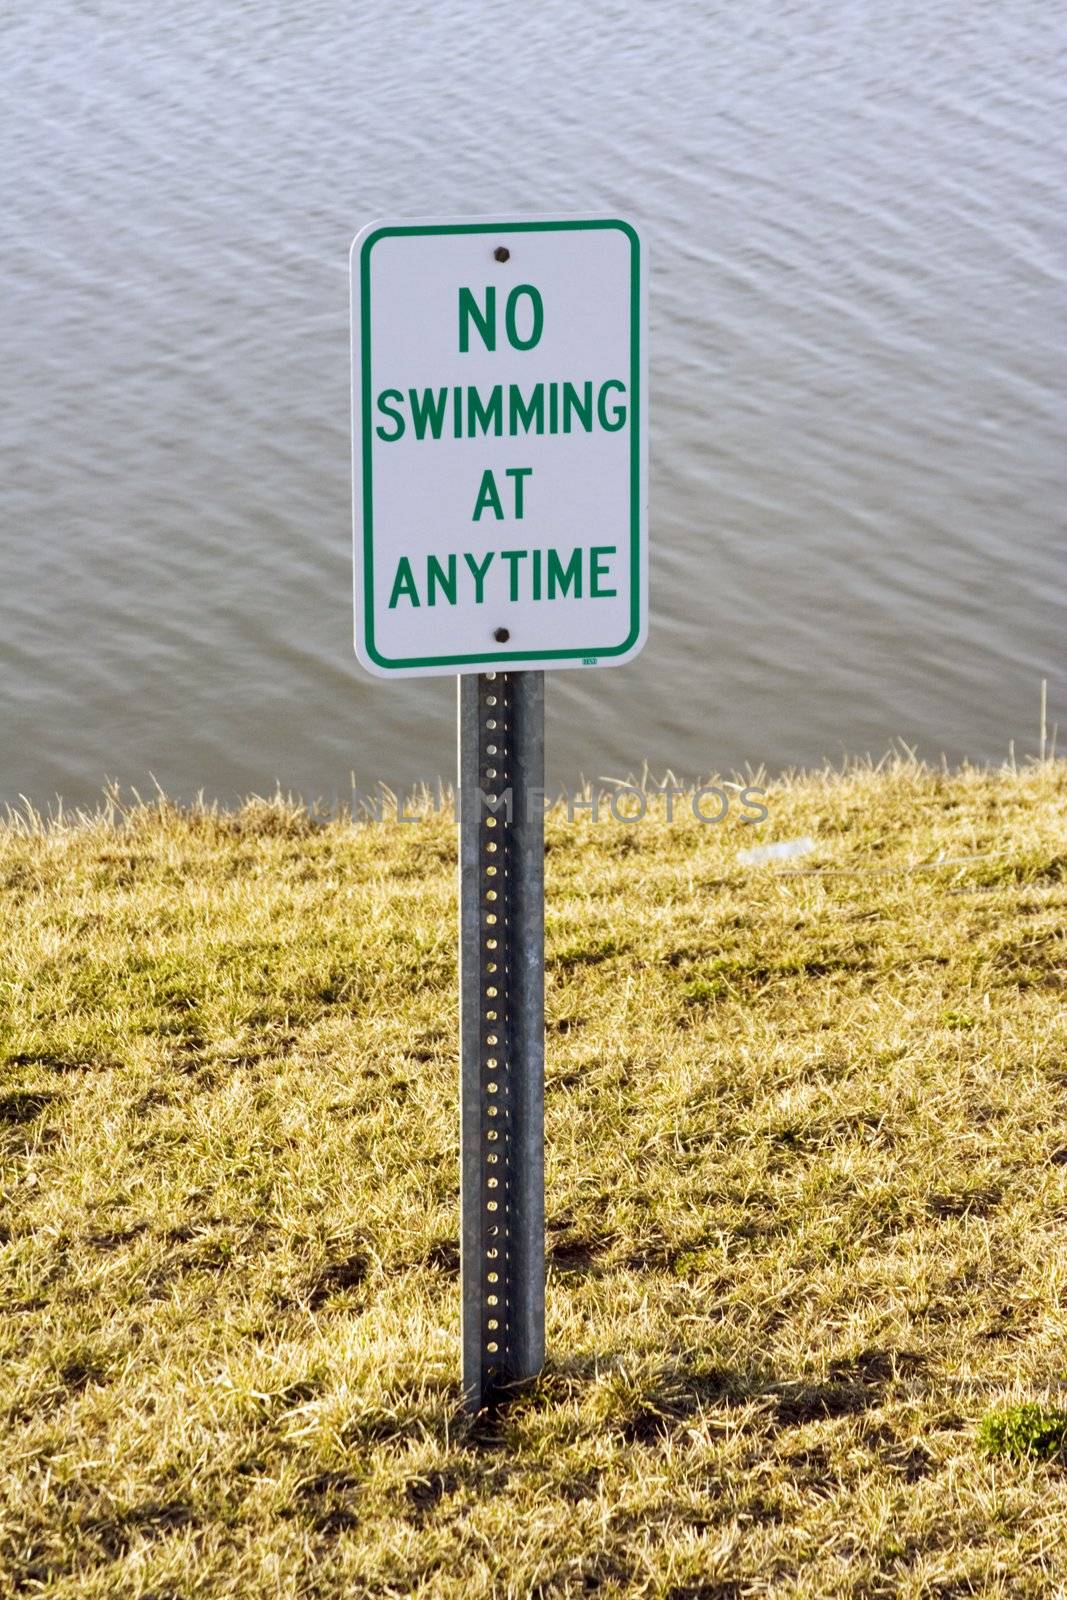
{"points": [[500, 445]]}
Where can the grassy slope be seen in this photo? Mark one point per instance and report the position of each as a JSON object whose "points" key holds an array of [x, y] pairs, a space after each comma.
{"points": [[807, 1198]]}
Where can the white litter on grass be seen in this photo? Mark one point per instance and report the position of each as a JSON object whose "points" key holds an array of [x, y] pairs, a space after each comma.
{"points": [[783, 851]]}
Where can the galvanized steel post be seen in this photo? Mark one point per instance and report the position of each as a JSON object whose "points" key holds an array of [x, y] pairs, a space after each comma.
{"points": [[501, 895]]}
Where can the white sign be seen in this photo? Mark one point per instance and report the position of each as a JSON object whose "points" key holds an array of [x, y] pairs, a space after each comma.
{"points": [[499, 445]]}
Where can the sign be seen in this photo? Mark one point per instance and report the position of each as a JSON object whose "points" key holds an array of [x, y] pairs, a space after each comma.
{"points": [[499, 445]]}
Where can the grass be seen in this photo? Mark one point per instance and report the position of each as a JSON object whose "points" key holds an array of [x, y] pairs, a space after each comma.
{"points": [[1025, 1430], [807, 1207]]}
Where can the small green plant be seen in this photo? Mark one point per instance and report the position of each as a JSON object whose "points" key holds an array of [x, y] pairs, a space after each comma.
{"points": [[958, 1019], [1030, 1430], [699, 991]]}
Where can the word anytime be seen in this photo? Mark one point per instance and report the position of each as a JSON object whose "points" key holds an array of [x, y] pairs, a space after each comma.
{"points": [[710, 803], [547, 576]]}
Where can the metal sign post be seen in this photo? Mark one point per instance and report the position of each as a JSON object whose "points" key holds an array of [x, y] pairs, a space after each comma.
{"points": [[500, 512], [501, 897]]}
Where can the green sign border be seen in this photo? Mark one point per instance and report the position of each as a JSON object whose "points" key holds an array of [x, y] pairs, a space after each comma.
{"points": [[503, 656]]}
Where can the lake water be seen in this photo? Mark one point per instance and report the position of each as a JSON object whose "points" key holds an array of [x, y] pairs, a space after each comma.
{"points": [[854, 215]]}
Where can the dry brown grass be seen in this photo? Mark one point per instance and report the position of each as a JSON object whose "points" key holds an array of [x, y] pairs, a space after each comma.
{"points": [[807, 1199]]}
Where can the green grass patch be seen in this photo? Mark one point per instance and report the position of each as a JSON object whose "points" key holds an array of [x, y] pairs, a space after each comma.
{"points": [[1025, 1431]]}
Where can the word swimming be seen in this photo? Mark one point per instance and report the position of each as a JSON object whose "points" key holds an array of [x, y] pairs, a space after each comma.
{"points": [[462, 411], [529, 575]]}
